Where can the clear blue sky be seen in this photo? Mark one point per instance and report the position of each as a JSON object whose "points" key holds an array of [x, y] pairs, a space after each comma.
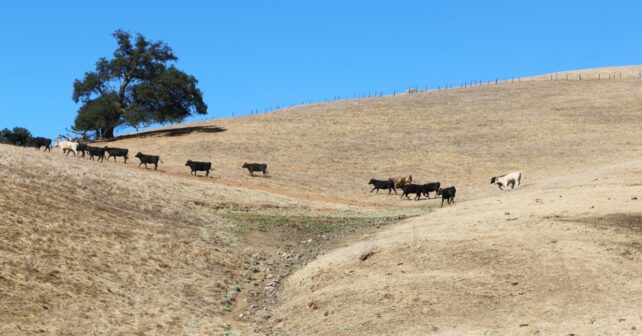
{"points": [[254, 54]]}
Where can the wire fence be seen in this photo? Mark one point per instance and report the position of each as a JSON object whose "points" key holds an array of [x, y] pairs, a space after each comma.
{"points": [[560, 76]]}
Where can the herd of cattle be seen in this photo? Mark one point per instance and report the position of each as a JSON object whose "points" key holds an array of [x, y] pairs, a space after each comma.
{"points": [[447, 194], [99, 154], [404, 182], [407, 187]]}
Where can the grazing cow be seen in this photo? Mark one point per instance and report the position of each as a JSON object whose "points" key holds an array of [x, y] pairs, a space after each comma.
{"points": [[151, 159], [67, 146], [447, 194], [417, 189], [255, 167], [196, 166], [115, 152], [380, 184], [428, 187], [42, 142], [400, 181], [98, 152], [513, 179]]}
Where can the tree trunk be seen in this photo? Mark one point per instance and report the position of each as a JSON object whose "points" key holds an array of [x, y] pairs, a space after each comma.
{"points": [[108, 133]]}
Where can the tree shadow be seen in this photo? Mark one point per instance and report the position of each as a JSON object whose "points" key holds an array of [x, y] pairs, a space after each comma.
{"points": [[172, 132]]}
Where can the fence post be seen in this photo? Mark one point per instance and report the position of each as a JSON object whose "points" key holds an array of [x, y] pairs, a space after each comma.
{"points": [[580, 75]]}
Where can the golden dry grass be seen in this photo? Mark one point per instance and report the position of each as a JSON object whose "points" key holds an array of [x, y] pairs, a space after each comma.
{"points": [[460, 137], [92, 248], [561, 257]]}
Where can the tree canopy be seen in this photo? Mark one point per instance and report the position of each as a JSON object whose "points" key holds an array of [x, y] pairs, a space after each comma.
{"points": [[19, 135], [139, 86]]}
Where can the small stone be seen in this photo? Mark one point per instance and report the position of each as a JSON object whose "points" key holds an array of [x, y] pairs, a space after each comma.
{"points": [[634, 198]]}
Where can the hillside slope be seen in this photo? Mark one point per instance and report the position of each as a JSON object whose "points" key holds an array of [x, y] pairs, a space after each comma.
{"points": [[563, 257], [90, 248], [460, 136]]}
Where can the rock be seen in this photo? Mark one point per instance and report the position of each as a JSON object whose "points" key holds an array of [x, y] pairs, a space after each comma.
{"points": [[365, 255], [634, 198], [506, 213], [524, 325]]}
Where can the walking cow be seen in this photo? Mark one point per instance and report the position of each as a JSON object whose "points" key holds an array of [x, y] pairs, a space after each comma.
{"points": [[196, 166], [256, 167], [42, 142], [513, 179], [151, 159]]}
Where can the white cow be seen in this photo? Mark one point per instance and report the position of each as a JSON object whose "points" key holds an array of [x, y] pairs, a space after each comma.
{"points": [[67, 146], [513, 179]]}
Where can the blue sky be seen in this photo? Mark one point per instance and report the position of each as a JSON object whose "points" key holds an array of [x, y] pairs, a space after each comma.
{"points": [[248, 55]]}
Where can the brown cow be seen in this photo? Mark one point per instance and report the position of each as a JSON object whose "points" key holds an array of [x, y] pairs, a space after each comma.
{"points": [[401, 181]]}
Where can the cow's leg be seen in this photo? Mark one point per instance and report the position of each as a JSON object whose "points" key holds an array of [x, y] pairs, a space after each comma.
{"points": [[373, 189], [442, 202], [207, 173], [155, 165]]}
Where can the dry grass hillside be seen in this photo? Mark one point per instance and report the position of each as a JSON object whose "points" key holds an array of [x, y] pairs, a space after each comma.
{"points": [[560, 257], [461, 137], [111, 249], [95, 249]]}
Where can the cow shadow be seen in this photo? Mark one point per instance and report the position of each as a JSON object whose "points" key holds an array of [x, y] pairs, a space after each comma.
{"points": [[171, 132]]}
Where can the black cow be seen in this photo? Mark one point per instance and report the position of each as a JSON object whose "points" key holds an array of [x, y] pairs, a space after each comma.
{"points": [[151, 159], [82, 148], [199, 166], [255, 167], [97, 152], [428, 187], [115, 152], [447, 194], [42, 142], [381, 184], [417, 189]]}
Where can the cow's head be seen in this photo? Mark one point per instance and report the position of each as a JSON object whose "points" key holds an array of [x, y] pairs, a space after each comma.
{"points": [[371, 181], [493, 180], [139, 154], [244, 165], [188, 163]]}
